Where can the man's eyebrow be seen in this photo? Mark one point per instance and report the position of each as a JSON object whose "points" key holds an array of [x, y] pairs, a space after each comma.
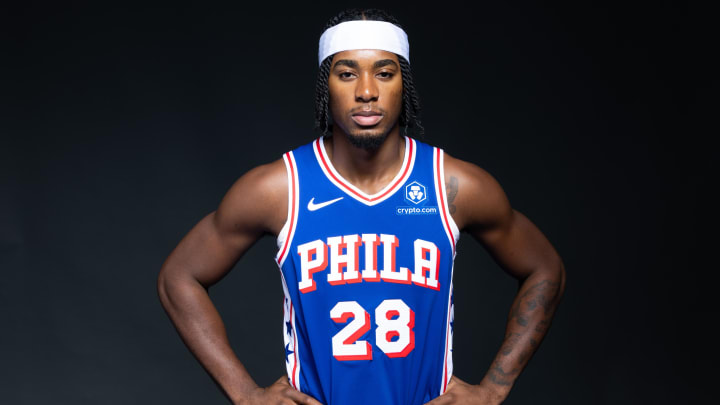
{"points": [[354, 65], [384, 62], [347, 62]]}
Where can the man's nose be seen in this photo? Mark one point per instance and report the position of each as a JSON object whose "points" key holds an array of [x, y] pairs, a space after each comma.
{"points": [[366, 89]]}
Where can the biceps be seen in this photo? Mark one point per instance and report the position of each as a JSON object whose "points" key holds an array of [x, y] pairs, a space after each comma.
{"points": [[517, 245], [207, 253]]}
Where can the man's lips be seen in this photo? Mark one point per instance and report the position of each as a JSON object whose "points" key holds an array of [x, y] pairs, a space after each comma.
{"points": [[366, 118]]}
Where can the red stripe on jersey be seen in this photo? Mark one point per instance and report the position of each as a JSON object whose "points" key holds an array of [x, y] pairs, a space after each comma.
{"points": [[441, 193], [294, 347], [447, 339], [446, 223], [292, 211], [349, 189]]}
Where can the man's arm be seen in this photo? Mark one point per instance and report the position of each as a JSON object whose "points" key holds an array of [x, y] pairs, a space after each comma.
{"points": [[479, 206], [254, 206]]}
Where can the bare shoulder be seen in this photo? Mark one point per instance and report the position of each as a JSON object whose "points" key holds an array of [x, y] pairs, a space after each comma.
{"points": [[475, 198], [256, 202]]}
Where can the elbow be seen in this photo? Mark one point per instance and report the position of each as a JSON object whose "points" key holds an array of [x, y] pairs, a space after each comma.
{"points": [[174, 287], [167, 287], [162, 288]]}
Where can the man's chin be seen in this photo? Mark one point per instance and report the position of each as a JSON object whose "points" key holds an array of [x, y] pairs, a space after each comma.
{"points": [[368, 141]]}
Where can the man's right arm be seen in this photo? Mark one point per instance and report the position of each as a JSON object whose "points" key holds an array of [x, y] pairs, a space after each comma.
{"points": [[254, 206]]}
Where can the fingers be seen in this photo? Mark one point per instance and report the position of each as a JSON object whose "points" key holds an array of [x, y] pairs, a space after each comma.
{"points": [[297, 396], [283, 380], [457, 380], [447, 397], [301, 398], [441, 400], [451, 383], [454, 380]]}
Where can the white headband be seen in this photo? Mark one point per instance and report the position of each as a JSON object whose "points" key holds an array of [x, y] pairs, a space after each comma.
{"points": [[364, 34]]}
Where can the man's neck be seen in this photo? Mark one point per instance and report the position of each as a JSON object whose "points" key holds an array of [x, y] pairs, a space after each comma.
{"points": [[368, 170]]}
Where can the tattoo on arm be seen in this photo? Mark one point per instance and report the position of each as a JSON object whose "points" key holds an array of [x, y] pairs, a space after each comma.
{"points": [[452, 190], [542, 326], [511, 340], [528, 322], [541, 294], [499, 376]]}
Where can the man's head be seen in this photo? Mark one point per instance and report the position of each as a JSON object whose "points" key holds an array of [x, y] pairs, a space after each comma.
{"points": [[366, 92]]}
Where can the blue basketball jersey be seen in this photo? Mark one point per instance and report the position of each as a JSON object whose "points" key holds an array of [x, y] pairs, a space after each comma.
{"points": [[368, 308]]}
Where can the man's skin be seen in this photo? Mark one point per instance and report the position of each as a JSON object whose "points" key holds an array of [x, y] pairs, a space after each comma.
{"points": [[360, 79]]}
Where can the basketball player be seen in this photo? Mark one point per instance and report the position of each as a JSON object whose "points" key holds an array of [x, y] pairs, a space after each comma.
{"points": [[366, 220]]}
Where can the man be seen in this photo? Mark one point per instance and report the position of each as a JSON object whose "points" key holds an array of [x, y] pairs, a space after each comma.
{"points": [[366, 221]]}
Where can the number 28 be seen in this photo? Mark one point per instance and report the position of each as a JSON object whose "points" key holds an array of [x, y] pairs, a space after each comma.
{"points": [[345, 343]]}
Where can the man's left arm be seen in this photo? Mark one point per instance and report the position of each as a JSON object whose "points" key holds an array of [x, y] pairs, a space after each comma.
{"points": [[480, 207]]}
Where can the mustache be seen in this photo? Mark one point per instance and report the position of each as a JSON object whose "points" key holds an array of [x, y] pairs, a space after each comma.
{"points": [[366, 108]]}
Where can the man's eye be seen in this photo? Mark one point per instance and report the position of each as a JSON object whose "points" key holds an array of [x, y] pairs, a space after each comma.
{"points": [[345, 75], [385, 75]]}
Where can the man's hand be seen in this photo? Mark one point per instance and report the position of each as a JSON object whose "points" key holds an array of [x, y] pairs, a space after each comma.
{"points": [[459, 392], [281, 392]]}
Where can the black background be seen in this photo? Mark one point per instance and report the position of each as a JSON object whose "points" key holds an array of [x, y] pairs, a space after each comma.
{"points": [[123, 126]]}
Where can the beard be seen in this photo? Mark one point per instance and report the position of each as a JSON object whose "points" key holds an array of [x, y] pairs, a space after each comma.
{"points": [[368, 142], [369, 139]]}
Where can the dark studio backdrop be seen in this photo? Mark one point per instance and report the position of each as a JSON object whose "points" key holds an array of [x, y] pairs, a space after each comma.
{"points": [[123, 126]]}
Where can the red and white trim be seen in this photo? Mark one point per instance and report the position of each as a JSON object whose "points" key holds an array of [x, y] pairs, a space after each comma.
{"points": [[292, 364], [284, 239], [451, 229], [453, 234], [356, 193], [448, 359]]}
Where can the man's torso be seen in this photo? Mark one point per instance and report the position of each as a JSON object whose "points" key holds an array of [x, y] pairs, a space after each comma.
{"points": [[367, 281]]}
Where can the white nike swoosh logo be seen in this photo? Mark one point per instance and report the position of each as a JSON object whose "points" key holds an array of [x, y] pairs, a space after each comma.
{"points": [[312, 206]]}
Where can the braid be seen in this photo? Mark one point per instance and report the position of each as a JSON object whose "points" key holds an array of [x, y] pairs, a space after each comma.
{"points": [[322, 98], [409, 116]]}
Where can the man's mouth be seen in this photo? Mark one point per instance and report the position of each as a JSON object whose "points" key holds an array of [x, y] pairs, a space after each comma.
{"points": [[367, 118]]}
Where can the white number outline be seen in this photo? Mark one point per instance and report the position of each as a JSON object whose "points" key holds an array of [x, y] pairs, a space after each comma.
{"points": [[402, 327], [345, 343]]}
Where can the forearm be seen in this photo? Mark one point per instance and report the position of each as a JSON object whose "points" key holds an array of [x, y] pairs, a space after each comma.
{"points": [[198, 322], [529, 319]]}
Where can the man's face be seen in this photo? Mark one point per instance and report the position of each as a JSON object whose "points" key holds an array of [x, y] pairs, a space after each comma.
{"points": [[365, 88]]}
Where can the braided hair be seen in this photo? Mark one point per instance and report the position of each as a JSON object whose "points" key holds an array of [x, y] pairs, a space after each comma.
{"points": [[409, 115]]}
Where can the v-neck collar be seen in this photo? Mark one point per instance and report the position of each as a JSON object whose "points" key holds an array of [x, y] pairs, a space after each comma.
{"points": [[354, 192]]}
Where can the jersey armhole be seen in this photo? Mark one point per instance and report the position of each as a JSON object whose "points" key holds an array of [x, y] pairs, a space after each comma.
{"points": [[284, 238], [449, 224]]}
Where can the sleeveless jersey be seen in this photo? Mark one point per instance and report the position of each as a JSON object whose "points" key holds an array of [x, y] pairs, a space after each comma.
{"points": [[368, 308]]}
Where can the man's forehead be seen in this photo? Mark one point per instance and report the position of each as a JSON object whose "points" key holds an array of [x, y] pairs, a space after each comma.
{"points": [[365, 55]]}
